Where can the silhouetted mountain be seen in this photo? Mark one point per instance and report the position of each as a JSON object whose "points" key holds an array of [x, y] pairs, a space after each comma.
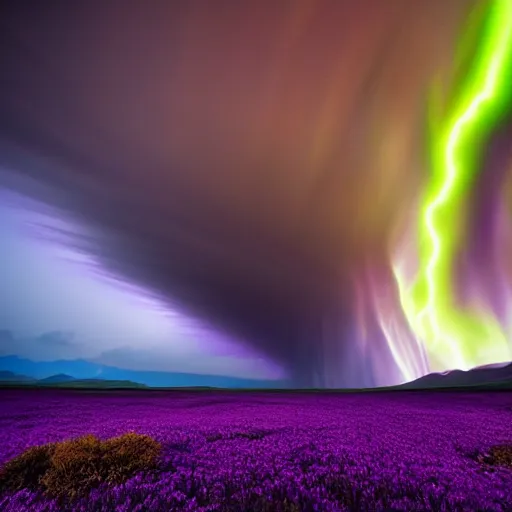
{"points": [[489, 375], [60, 377], [8, 376], [82, 369]]}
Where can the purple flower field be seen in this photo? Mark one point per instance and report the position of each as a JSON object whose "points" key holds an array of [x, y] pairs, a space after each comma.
{"points": [[255, 451]]}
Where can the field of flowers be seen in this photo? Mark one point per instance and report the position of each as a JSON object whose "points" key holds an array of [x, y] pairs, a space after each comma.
{"points": [[253, 451]]}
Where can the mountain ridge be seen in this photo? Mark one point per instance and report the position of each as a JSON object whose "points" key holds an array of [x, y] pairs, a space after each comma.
{"points": [[487, 375], [57, 378], [14, 369], [83, 369]]}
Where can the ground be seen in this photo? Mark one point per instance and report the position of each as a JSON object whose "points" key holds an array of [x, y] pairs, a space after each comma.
{"points": [[279, 451]]}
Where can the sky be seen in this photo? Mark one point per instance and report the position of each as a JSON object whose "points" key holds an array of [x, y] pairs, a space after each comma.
{"points": [[230, 180], [55, 307]]}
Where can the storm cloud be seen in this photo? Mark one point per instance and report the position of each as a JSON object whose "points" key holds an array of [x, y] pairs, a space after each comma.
{"points": [[246, 162]]}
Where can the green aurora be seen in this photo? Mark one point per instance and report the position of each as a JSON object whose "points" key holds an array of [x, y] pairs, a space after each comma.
{"points": [[457, 137]]}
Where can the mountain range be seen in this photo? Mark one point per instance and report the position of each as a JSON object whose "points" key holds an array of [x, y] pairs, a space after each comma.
{"points": [[82, 373], [81, 369], [9, 379]]}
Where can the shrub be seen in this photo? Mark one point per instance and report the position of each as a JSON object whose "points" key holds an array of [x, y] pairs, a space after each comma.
{"points": [[74, 467], [500, 455], [27, 470]]}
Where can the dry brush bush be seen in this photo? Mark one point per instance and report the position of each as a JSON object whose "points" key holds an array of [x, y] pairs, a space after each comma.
{"points": [[72, 468], [27, 470], [500, 455]]}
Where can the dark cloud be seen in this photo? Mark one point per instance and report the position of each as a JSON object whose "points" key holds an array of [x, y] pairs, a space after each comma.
{"points": [[56, 339], [47, 346], [232, 157]]}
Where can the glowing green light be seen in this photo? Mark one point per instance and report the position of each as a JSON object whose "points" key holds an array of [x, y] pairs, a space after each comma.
{"points": [[456, 143]]}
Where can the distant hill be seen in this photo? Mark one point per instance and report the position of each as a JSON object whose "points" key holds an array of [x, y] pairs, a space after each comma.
{"points": [[10, 379], [490, 376], [96, 383], [60, 377], [82, 369]]}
